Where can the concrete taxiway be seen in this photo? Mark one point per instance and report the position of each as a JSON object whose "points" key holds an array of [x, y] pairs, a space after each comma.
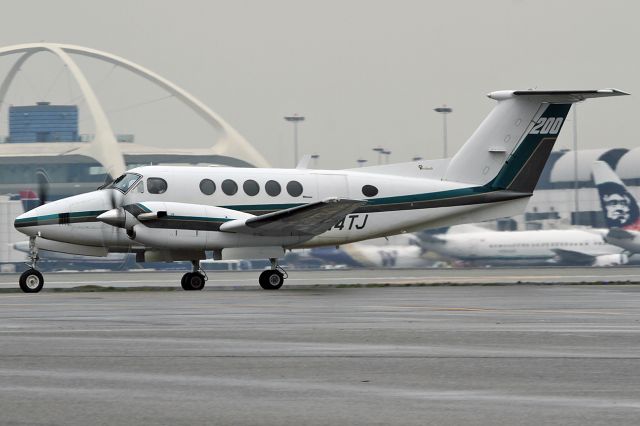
{"points": [[306, 278], [446, 355]]}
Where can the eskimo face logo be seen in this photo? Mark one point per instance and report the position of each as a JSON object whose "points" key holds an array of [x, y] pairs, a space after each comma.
{"points": [[617, 207], [618, 204]]}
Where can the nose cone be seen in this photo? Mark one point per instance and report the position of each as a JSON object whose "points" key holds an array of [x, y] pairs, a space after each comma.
{"points": [[113, 217], [76, 209], [28, 222]]}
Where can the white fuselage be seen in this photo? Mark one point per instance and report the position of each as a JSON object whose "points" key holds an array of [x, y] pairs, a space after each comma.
{"points": [[397, 207], [630, 242], [541, 244]]}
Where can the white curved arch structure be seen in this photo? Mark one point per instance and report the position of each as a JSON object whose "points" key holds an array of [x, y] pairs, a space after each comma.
{"points": [[104, 148]]}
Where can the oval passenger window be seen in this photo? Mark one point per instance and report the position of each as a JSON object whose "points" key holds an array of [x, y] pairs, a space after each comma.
{"points": [[229, 187], [156, 185], [207, 186], [369, 191], [273, 188], [251, 187], [294, 188]]}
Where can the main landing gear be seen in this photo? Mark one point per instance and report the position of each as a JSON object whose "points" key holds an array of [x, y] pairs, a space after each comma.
{"points": [[195, 279], [272, 279], [31, 280]]}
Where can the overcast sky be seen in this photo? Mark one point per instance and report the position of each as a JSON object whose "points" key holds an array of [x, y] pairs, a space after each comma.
{"points": [[364, 73]]}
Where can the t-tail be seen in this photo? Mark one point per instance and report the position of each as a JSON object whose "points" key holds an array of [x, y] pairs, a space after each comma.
{"points": [[511, 147], [619, 206]]}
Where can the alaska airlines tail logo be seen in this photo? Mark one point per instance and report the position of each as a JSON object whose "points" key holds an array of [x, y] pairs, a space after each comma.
{"points": [[619, 206]]}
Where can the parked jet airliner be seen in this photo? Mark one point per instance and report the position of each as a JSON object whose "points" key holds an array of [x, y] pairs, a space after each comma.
{"points": [[181, 213], [379, 253], [566, 246]]}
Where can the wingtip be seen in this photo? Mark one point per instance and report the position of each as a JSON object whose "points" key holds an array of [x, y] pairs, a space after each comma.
{"points": [[614, 92]]}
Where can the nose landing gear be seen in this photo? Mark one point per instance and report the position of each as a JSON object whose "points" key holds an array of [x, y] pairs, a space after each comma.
{"points": [[31, 281], [194, 280], [272, 279]]}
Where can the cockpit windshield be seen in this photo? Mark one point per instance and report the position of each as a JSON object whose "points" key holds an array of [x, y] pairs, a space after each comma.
{"points": [[124, 183]]}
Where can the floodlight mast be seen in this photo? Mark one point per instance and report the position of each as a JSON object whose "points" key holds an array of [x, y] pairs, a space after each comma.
{"points": [[295, 119], [444, 110]]}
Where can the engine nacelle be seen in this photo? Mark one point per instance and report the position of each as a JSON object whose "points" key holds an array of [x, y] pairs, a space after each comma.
{"points": [[181, 226], [611, 260]]}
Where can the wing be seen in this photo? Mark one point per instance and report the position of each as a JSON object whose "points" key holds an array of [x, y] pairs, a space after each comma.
{"points": [[574, 256], [309, 219]]}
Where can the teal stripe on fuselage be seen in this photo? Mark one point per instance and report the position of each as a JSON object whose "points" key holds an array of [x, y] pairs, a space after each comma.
{"points": [[400, 202], [54, 219], [143, 207], [429, 196]]}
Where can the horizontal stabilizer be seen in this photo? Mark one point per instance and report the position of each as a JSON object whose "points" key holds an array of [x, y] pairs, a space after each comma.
{"points": [[309, 219], [558, 95]]}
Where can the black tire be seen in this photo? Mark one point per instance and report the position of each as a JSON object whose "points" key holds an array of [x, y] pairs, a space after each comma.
{"points": [[193, 281], [183, 281], [271, 279], [31, 281]]}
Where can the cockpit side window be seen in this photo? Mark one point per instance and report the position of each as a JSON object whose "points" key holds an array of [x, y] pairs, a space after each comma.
{"points": [[156, 185], [124, 183]]}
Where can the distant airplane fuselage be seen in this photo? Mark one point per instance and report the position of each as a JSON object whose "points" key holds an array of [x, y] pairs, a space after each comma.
{"points": [[570, 246]]}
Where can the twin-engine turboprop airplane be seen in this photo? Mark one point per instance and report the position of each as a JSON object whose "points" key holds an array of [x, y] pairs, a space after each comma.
{"points": [[181, 213]]}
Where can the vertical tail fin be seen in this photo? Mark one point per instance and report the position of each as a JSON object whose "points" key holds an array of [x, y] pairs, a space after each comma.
{"points": [[29, 200], [511, 146], [619, 206]]}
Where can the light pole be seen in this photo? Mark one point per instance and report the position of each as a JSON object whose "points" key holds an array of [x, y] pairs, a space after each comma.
{"points": [[361, 162], [380, 151], [576, 198], [416, 158], [387, 155], [444, 110], [295, 119]]}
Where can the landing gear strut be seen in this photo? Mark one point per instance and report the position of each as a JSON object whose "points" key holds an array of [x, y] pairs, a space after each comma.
{"points": [[194, 280], [272, 279], [31, 280]]}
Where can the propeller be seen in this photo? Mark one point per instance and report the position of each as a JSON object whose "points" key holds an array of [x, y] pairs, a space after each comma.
{"points": [[43, 185], [115, 216]]}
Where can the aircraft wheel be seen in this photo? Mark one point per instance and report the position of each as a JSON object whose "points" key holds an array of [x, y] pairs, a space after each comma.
{"points": [[183, 281], [31, 281], [193, 281], [271, 279]]}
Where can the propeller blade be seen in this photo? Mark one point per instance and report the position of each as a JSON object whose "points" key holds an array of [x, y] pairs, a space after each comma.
{"points": [[112, 198], [43, 185]]}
